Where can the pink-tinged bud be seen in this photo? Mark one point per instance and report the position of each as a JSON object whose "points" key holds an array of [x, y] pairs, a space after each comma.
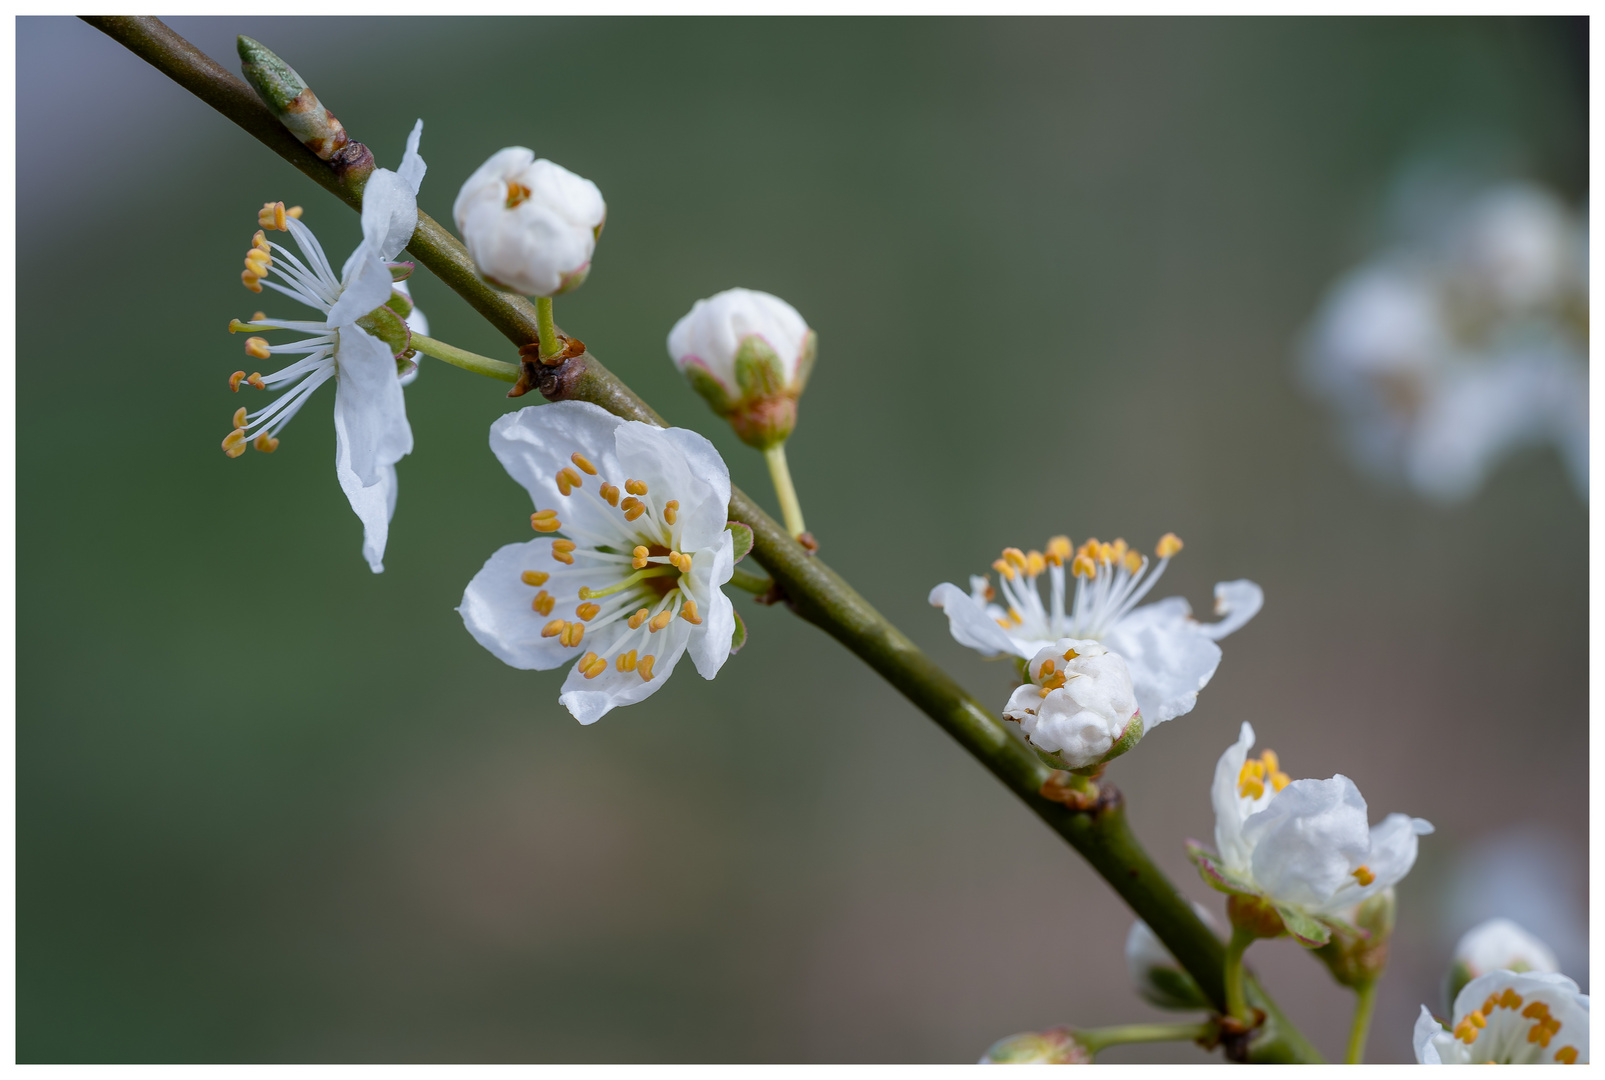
{"points": [[1056, 1046]]}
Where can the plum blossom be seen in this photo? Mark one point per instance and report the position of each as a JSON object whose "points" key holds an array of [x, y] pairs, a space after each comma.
{"points": [[1509, 1018], [361, 342], [1170, 656], [633, 551], [1302, 846], [530, 224], [1461, 341], [1078, 706]]}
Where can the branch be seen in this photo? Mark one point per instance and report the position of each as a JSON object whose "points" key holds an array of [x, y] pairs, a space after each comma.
{"points": [[814, 591]]}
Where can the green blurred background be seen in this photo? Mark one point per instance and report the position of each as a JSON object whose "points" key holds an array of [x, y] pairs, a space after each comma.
{"points": [[273, 807]]}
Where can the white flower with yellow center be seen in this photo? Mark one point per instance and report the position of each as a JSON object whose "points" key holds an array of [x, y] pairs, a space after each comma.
{"points": [[1078, 706], [632, 570], [1169, 654], [359, 343], [1302, 846], [1509, 1018]]}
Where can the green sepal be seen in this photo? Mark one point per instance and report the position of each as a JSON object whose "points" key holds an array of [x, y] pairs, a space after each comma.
{"points": [[1130, 737], [709, 388], [1216, 876], [741, 538], [274, 81], [400, 303], [401, 271], [759, 372], [805, 362], [390, 328], [1309, 930], [1052, 761], [739, 637]]}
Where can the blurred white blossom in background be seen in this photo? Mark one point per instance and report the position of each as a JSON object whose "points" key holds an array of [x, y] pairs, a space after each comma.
{"points": [[1462, 339]]}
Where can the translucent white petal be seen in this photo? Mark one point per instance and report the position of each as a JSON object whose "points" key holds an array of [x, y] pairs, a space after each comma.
{"points": [[1236, 602], [1229, 843], [973, 628], [367, 285], [412, 167], [710, 643], [535, 443], [591, 699], [1428, 1032], [1169, 656], [1307, 840], [497, 609], [370, 409]]}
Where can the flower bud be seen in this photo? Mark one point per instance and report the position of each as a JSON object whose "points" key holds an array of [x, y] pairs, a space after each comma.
{"points": [[530, 225], [1496, 945], [1358, 949], [1157, 976], [749, 355], [1056, 1046], [1079, 708], [291, 99]]}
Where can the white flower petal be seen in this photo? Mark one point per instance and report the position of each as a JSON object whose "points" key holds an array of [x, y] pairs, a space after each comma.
{"points": [[973, 628], [1427, 1035], [1496, 944], [709, 643], [497, 609], [367, 285], [591, 699], [535, 443], [389, 214], [1307, 841], [1229, 843], [1236, 602], [1169, 656], [412, 167], [370, 409]]}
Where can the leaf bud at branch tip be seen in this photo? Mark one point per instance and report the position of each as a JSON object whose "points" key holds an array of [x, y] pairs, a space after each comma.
{"points": [[291, 99]]}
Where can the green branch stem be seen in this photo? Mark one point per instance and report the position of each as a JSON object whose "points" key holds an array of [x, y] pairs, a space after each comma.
{"points": [[1364, 1002], [1096, 1039], [1101, 835], [462, 358], [780, 476]]}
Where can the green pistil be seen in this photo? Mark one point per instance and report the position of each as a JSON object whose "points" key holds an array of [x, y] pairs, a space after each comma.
{"points": [[649, 572]]}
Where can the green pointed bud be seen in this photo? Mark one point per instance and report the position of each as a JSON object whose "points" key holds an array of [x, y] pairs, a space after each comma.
{"points": [[748, 355], [291, 99], [1056, 1046], [1358, 950], [390, 328]]}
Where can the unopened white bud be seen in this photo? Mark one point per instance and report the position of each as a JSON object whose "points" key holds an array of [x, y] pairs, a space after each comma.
{"points": [[530, 225], [1079, 705], [1497, 945], [1056, 1046]]}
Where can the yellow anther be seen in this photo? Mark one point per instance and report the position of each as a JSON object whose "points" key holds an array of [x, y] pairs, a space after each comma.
{"points": [[659, 621], [250, 281], [1119, 549], [585, 661], [1005, 571], [1133, 562], [1015, 557], [516, 193], [265, 443], [1477, 1018], [1536, 1011], [585, 466], [643, 668], [235, 326], [295, 212], [260, 240], [671, 511], [611, 494], [544, 515], [271, 216], [1106, 554], [688, 612], [991, 594], [1251, 788], [635, 487], [572, 637], [1566, 1055], [1251, 779], [1070, 654], [1169, 544], [239, 416], [255, 379], [257, 263], [564, 555], [1090, 548], [534, 577], [1058, 550], [257, 347], [595, 668], [543, 603], [1002, 622], [1364, 876], [1045, 669], [633, 508], [1052, 683], [567, 479], [1490, 1004], [563, 545], [1510, 999], [588, 611], [626, 661], [1034, 563], [545, 521], [639, 557], [1466, 1031], [1273, 763], [259, 316], [1083, 566], [1279, 780], [554, 628], [637, 619], [1014, 615], [234, 381]]}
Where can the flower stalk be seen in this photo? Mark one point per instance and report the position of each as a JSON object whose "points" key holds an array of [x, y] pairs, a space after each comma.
{"points": [[780, 476], [1364, 1003], [546, 329], [1236, 999], [1101, 835], [1097, 1039], [462, 358]]}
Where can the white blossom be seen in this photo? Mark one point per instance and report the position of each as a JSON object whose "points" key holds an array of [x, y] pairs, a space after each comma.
{"points": [[630, 562], [729, 326], [1170, 655], [1509, 1018], [1078, 705], [1303, 846], [530, 225], [358, 343], [1462, 340]]}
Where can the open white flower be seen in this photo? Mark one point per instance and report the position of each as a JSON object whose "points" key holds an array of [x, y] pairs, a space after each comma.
{"points": [[749, 355], [1079, 705], [1462, 341], [530, 225], [1509, 1018], [1170, 655], [634, 576], [1303, 846], [358, 343]]}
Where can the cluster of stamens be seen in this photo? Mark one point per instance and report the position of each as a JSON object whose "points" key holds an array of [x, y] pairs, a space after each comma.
{"points": [[259, 260], [1544, 1026], [1110, 579], [652, 562], [1257, 772], [1051, 677]]}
